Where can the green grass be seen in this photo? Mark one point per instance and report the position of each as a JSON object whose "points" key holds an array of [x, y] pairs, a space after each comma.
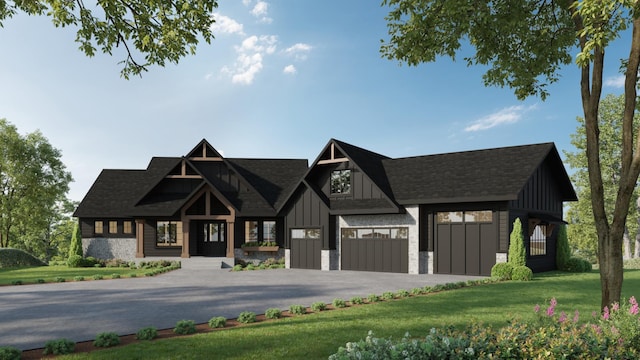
{"points": [[31, 275], [317, 335]]}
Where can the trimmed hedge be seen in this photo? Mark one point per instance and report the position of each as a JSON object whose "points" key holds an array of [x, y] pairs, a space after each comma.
{"points": [[10, 258], [521, 273], [502, 271]]}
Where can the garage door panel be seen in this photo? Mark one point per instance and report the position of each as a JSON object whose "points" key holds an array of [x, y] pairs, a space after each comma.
{"points": [[488, 248], [443, 247], [458, 262], [375, 254], [472, 249], [306, 253]]}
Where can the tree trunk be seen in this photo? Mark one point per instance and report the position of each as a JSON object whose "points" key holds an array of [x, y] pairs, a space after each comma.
{"points": [[611, 274], [626, 240]]}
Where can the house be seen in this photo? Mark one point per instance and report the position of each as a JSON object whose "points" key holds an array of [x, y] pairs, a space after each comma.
{"points": [[352, 209]]}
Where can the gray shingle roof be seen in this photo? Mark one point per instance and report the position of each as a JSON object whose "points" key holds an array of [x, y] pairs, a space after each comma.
{"points": [[481, 175]]}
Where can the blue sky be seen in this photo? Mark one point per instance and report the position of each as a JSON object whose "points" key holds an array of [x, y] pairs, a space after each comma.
{"points": [[280, 79]]}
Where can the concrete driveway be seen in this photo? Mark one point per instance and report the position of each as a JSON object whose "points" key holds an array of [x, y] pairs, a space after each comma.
{"points": [[30, 315]]}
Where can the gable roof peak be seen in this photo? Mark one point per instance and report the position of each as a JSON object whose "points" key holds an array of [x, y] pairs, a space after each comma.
{"points": [[204, 151]]}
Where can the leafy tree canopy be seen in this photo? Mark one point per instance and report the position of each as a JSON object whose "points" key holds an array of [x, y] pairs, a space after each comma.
{"points": [[524, 44], [159, 31]]}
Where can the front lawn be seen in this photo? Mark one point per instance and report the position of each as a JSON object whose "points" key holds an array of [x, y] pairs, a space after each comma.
{"points": [[39, 274], [316, 336]]}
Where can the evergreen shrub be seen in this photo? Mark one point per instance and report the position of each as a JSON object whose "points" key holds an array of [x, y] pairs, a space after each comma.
{"points": [[273, 313], [59, 347], [185, 327], [521, 273], [297, 309], [502, 271], [247, 317], [338, 303], [10, 353], [318, 306], [517, 252], [148, 333], [106, 339]]}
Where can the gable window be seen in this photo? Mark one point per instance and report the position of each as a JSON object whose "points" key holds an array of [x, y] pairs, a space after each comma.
{"points": [[538, 241], [98, 227], [113, 227], [127, 227], [341, 182], [169, 233]]}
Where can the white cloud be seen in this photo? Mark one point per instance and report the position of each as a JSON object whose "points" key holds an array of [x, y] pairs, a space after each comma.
{"points": [[261, 10], [251, 55], [226, 25], [289, 69], [507, 115], [614, 81], [246, 2], [299, 51]]}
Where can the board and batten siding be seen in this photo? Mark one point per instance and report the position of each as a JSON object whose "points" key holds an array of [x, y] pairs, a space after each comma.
{"points": [[540, 194], [308, 211]]}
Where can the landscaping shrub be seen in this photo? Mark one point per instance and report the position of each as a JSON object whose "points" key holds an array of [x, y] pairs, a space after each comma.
{"points": [[273, 313], [502, 271], [16, 282], [217, 322], [357, 300], [106, 339], [563, 250], [338, 303], [521, 273], [75, 261], [250, 266], [148, 333], [132, 275], [115, 276], [371, 298], [185, 327], [416, 291], [517, 252], [78, 278], [427, 289], [246, 317], [318, 306], [98, 277], [40, 281], [10, 353], [59, 347], [614, 334], [402, 293], [297, 309], [577, 265], [60, 279], [75, 248], [237, 267], [388, 295]]}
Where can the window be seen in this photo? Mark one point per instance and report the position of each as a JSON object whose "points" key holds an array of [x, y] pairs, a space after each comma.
{"points": [[250, 231], [169, 233], [113, 227], [305, 233], [449, 217], [375, 233], [127, 227], [538, 241], [214, 232], [269, 231], [98, 227], [482, 216], [341, 182]]}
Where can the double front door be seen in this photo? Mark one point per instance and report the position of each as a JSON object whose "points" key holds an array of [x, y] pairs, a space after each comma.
{"points": [[211, 238]]}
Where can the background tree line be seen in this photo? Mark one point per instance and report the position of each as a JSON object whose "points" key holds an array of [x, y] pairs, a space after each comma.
{"points": [[581, 231], [35, 214]]}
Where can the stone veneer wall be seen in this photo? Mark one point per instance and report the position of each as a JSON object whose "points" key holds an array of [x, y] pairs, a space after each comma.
{"points": [[256, 257], [419, 262], [501, 257], [110, 248]]}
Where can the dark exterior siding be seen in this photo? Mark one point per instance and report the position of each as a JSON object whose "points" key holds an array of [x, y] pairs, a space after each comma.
{"points": [[540, 194], [150, 248], [503, 231], [308, 211]]}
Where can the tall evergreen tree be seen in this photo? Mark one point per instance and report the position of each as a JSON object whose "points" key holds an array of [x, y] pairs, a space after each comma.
{"points": [[76, 241], [517, 251]]}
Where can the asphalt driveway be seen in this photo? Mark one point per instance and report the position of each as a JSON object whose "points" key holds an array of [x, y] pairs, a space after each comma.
{"points": [[30, 315]]}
